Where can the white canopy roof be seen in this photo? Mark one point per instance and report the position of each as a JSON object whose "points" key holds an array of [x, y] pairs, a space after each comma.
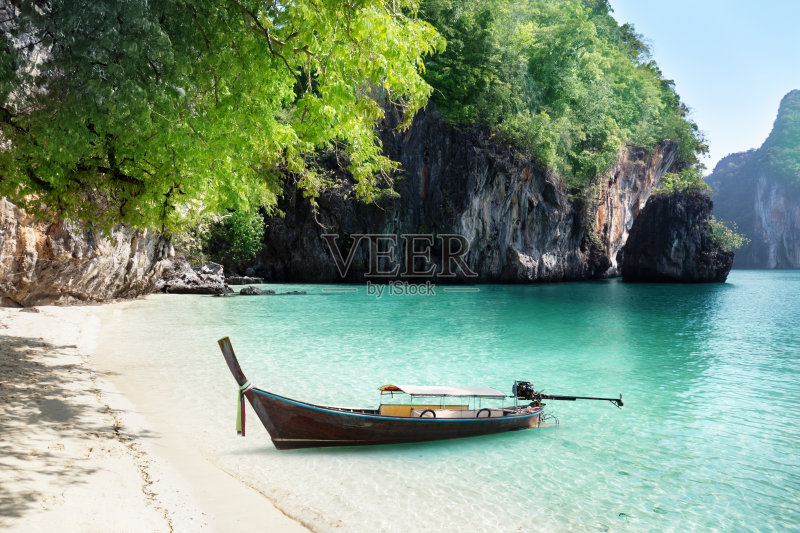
{"points": [[432, 390]]}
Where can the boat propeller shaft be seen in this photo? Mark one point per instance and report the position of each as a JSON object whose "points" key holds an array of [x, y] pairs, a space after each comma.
{"points": [[524, 391], [615, 401]]}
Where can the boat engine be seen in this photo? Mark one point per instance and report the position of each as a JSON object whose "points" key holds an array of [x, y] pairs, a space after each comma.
{"points": [[524, 390]]}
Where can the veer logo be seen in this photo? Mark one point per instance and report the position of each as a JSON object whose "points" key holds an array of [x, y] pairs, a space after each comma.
{"points": [[415, 245]]}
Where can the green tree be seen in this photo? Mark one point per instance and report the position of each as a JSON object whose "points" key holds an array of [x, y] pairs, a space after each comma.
{"points": [[234, 240], [154, 112]]}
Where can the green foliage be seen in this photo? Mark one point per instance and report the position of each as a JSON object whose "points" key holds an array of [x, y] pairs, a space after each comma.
{"points": [[560, 78], [782, 147], [689, 180], [727, 238], [157, 112], [234, 240], [192, 242]]}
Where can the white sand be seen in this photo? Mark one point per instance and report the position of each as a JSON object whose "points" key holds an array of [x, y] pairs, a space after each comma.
{"points": [[76, 456]]}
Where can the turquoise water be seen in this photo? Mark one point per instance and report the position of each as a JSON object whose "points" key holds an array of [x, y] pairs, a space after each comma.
{"points": [[708, 438]]}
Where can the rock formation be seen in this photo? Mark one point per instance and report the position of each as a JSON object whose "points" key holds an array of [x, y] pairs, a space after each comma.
{"points": [[179, 277], [62, 263], [671, 241], [522, 224], [759, 191], [254, 291]]}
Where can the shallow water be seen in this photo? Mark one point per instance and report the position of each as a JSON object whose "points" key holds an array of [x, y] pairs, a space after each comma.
{"points": [[708, 438]]}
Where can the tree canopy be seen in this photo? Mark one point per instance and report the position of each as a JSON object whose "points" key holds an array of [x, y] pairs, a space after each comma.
{"points": [[155, 112], [150, 112], [560, 78]]}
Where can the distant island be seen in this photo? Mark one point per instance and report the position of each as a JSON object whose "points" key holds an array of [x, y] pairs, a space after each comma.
{"points": [[759, 191]]}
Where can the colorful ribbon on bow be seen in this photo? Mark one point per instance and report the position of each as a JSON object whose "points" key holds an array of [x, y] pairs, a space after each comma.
{"points": [[240, 408]]}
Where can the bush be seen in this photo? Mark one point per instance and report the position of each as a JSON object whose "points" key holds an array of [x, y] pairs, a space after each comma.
{"points": [[234, 240], [727, 238], [685, 181]]}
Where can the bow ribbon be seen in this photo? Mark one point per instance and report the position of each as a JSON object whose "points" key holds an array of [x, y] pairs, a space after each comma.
{"points": [[240, 408]]}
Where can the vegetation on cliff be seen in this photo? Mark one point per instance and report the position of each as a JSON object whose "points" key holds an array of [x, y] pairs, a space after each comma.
{"points": [[689, 180], [561, 79], [728, 239], [781, 150]]}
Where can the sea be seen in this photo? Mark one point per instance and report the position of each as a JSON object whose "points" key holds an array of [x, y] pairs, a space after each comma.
{"points": [[708, 438]]}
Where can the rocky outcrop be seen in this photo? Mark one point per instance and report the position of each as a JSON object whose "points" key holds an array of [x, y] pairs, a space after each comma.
{"points": [[759, 191], [63, 263], [623, 195], [243, 280], [671, 241], [521, 223], [254, 291], [179, 277]]}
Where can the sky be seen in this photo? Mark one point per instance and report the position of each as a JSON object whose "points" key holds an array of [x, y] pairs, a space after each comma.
{"points": [[732, 61]]}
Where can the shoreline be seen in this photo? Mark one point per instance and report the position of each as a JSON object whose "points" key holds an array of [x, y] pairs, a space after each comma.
{"points": [[81, 453]]}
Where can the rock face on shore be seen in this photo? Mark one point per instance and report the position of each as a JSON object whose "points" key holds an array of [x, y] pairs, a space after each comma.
{"points": [[179, 277], [759, 191], [671, 241], [522, 224], [63, 263]]}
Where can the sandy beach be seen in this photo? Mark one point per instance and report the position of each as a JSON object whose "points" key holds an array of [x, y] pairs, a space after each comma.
{"points": [[76, 455]]}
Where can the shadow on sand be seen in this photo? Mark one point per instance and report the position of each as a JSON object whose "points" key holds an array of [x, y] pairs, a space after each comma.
{"points": [[52, 421]]}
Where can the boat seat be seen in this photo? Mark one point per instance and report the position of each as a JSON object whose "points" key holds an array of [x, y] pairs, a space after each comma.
{"points": [[404, 410], [395, 410]]}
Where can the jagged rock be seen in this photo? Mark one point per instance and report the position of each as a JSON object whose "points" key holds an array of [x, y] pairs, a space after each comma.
{"points": [[521, 222], [243, 280], [211, 269], [44, 263], [180, 278], [671, 241], [249, 291], [293, 292], [254, 291]]}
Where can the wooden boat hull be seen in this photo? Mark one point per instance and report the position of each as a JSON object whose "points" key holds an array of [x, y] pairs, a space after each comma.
{"points": [[293, 424]]}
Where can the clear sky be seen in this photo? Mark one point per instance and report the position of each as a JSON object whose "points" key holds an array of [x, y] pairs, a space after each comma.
{"points": [[732, 61]]}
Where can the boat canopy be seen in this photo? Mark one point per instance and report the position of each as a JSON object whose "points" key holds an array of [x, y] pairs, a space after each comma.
{"points": [[432, 390]]}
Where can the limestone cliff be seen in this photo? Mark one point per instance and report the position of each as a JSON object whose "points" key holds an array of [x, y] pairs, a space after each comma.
{"points": [[759, 190], [61, 263], [671, 241], [521, 222]]}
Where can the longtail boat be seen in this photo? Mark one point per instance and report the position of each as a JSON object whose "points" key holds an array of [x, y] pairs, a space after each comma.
{"points": [[424, 413]]}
